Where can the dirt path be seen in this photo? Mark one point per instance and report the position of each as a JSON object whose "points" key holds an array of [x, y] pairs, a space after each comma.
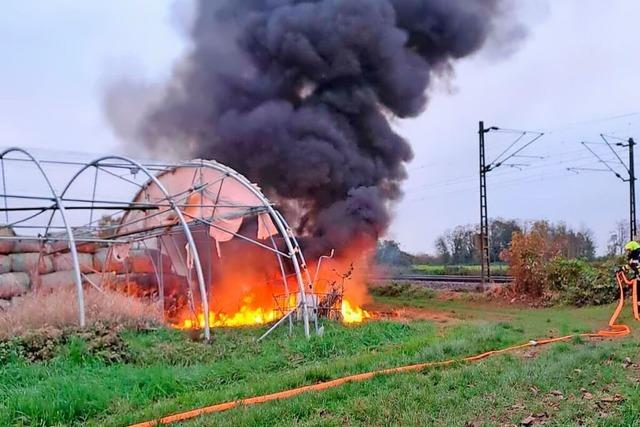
{"points": [[393, 312]]}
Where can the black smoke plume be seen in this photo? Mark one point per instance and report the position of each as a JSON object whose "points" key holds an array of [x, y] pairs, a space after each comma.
{"points": [[298, 95]]}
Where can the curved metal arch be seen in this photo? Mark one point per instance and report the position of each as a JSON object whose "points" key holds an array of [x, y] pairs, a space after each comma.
{"points": [[183, 223], [71, 241], [292, 245]]}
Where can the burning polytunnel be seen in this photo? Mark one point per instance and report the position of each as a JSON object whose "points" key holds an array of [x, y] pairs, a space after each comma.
{"points": [[197, 237]]}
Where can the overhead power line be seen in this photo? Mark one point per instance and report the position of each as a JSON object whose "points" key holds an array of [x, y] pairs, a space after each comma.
{"points": [[614, 152], [601, 160], [629, 168]]}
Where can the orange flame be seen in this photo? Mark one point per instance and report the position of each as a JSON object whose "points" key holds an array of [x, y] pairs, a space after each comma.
{"points": [[353, 313], [254, 316], [248, 281], [244, 317], [247, 315]]}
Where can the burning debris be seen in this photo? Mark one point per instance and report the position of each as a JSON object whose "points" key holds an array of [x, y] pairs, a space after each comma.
{"points": [[247, 281], [198, 238]]}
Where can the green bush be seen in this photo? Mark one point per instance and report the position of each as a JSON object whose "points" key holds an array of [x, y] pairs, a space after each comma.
{"points": [[579, 283]]}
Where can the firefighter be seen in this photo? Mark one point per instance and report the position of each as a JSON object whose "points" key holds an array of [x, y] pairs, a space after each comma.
{"points": [[633, 256]]}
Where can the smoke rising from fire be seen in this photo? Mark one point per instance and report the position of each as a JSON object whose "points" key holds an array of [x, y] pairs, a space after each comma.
{"points": [[299, 96]]}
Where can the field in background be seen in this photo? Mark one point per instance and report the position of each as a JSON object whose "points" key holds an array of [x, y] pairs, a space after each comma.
{"points": [[458, 270], [589, 382]]}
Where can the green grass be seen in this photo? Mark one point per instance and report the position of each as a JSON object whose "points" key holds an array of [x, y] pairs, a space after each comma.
{"points": [[170, 373], [462, 270], [402, 291]]}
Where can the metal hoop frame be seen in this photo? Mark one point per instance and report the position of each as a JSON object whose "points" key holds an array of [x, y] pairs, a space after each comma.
{"points": [[283, 228], [71, 241], [152, 172]]}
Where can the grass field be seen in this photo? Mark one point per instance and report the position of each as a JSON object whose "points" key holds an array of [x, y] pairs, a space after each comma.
{"points": [[464, 270], [586, 382]]}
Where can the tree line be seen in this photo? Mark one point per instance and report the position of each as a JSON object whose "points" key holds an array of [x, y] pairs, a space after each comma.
{"points": [[461, 245]]}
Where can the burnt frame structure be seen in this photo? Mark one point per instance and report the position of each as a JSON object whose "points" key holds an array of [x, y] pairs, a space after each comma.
{"points": [[95, 231]]}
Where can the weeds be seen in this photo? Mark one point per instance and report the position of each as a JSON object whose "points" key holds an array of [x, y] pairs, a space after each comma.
{"points": [[59, 309], [99, 342]]}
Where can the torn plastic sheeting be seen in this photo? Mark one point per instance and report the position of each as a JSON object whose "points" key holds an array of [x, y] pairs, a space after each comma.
{"points": [[170, 247], [193, 206], [266, 227], [223, 230]]}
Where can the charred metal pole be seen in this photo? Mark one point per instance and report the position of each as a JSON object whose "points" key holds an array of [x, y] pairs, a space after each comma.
{"points": [[485, 260]]}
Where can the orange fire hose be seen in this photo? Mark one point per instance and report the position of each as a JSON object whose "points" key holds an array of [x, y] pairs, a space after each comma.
{"points": [[615, 330]]}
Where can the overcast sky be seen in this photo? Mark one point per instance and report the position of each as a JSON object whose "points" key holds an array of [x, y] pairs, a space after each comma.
{"points": [[575, 76]]}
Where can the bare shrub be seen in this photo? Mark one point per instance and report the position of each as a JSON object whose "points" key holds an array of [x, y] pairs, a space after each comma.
{"points": [[60, 309]]}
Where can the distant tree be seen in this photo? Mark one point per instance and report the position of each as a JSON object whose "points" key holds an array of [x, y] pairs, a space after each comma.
{"points": [[461, 245], [461, 242], [501, 232], [585, 247], [389, 253], [427, 259], [618, 237], [442, 250], [568, 242]]}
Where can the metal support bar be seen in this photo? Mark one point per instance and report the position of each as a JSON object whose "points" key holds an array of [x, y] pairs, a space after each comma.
{"points": [[239, 236], [63, 239], [279, 322], [76, 208]]}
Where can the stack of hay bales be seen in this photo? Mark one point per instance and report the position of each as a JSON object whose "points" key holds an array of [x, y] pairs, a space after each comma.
{"points": [[28, 264], [15, 266], [137, 275]]}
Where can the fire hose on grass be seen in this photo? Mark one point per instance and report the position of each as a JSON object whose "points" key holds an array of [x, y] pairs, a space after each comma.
{"points": [[615, 330]]}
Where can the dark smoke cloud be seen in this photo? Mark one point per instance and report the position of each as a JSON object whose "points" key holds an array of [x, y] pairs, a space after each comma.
{"points": [[298, 95]]}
